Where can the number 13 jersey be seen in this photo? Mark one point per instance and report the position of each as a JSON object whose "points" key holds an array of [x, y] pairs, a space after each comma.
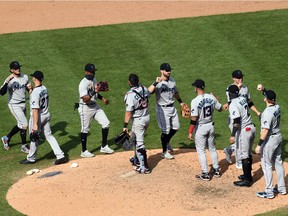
{"points": [[203, 107]]}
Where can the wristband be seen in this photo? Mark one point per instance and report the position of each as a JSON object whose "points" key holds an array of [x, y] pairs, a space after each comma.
{"points": [[179, 100], [260, 142], [250, 104], [99, 96], [125, 125], [155, 84]]}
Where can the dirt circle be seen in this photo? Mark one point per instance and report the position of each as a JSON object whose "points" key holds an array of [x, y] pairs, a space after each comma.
{"points": [[106, 184]]}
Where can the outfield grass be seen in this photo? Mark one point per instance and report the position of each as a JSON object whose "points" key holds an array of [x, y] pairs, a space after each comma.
{"points": [[206, 47]]}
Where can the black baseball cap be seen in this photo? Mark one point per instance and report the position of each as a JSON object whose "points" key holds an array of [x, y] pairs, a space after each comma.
{"points": [[15, 65], [199, 83], [166, 67], [90, 68], [237, 74], [38, 75], [133, 78], [233, 89], [270, 95]]}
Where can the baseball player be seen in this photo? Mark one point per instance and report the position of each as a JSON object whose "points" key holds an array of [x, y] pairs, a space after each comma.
{"points": [[270, 144], [16, 84], [40, 121], [167, 116], [237, 76], [243, 133], [136, 101], [89, 109], [202, 108]]}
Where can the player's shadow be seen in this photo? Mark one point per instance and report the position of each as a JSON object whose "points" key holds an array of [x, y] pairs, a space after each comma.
{"points": [[154, 159]]}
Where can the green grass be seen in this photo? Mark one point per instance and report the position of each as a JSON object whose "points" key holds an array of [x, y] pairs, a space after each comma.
{"points": [[206, 47]]}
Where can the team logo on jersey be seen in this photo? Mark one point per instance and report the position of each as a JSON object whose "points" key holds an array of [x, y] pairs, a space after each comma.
{"points": [[233, 113], [265, 122]]}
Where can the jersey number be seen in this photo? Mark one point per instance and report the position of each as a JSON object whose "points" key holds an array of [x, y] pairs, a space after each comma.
{"points": [[44, 103], [207, 110]]}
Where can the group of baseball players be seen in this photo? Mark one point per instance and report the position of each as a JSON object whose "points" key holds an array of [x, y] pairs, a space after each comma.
{"points": [[137, 111]]}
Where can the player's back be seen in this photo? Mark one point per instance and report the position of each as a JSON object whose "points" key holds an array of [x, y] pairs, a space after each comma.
{"points": [[203, 107], [270, 119], [239, 108]]}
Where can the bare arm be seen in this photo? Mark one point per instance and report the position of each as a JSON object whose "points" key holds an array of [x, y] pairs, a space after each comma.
{"points": [[35, 114]]}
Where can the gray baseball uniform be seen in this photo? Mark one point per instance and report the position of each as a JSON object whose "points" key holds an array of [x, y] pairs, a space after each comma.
{"points": [[244, 137], [136, 100], [16, 99], [39, 99], [202, 107], [271, 149], [166, 113], [243, 92], [91, 109]]}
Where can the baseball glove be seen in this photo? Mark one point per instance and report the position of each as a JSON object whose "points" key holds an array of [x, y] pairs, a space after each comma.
{"points": [[124, 140], [103, 86], [35, 136], [185, 111]]}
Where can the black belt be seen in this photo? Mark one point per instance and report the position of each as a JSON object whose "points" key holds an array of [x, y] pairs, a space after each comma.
{"points": [[274, 134], [169, 105]]}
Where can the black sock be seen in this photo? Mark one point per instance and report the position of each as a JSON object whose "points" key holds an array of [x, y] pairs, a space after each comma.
{"points": [[171, 134], [23, 136], [164, 141], [104, 136], [14, 130], [247, 169], [84, 141]]}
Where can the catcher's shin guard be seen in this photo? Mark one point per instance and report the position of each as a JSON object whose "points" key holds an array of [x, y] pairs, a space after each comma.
{"points": [[142, 157]]}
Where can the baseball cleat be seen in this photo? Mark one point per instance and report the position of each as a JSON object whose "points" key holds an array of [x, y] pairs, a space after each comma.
{"points": [[243, 183], [275, 190], [203, 176], [216, 173], [24, 149], [86, 154], [228, 156], [241, 177], [61, 161], [167, 155], [134, 161], [265, 195], [5, 141], [25, 161], [141, 171], [106, 150], [169, 147]]}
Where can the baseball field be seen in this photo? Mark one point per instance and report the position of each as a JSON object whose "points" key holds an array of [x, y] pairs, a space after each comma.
{"points": [[59, 38]]}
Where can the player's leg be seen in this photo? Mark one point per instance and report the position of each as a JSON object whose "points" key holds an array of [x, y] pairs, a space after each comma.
{"points": [[200, 143], [86, 116], [102, 119], [163, 120], [46, 129], [267, 157], [19, 113], [237, 151], [212, 150], [281, 188], [175, 125], [31, 157], [139, 126]]}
